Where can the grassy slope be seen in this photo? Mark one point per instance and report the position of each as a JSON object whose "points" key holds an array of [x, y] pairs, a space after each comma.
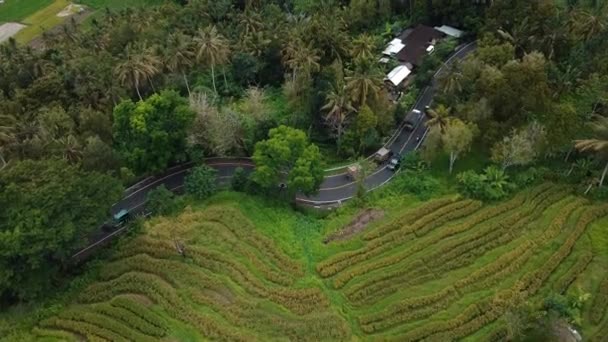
{"points": [[42, 20], [17, 10], [299, 237]]}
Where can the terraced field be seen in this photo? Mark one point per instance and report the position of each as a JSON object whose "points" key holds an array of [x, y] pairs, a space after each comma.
{"points": [[445, 270]]}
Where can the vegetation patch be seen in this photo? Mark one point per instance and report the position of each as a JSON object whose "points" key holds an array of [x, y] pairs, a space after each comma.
{"points": [[357, 225], [231, 280]]}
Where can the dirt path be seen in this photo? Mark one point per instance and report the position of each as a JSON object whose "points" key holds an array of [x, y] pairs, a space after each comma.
{"points": [[357, 225]]}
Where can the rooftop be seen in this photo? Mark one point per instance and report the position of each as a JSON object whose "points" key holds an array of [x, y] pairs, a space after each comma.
{"points": [[397, 75], [417, 42]]}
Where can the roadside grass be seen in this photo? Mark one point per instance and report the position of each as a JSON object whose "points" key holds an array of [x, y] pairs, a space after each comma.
{"points": [[41, 21], [17, 10]]}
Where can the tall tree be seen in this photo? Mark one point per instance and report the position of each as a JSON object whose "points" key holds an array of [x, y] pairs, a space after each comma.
{"points": [[288, 156], [438, 118], [598, 144], [301, 58], [521, 147], [48, 209], [588, 24], [211, 49], [456, 139], [363, 46], [151, 134], [178, 55], [338, 106], [135, 68], [364, 82]]}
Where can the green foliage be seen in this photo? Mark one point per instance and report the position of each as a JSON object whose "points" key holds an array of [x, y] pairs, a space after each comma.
{"points": [[491, 184], [161, 201], [17, 10], [288, 156], [48, 208], [201, 182], [239, 180], [151, 134], [419, 183]]}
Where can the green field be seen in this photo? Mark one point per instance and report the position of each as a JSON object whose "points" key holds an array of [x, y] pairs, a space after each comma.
{"points": [[447, 269], [41, 21], [17, 10], [118, 4]]}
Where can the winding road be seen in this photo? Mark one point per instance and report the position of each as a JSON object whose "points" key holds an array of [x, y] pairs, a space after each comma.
{"points": [[334, 190]]}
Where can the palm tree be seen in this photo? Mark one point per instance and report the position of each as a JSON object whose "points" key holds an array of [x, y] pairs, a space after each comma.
{"points": [[438, 117], [363, 46], [338, 107], [299, 56], [586, 24], [212, 49], [179, 55], [70, 148], [364, 82], [149, 61], [598, 144], [451, 82], [7, 129], [135, 68]]}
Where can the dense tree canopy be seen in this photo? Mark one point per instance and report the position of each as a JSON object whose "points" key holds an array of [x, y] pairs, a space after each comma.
{"points": [[48, 207], [151, 134], [288, 157]]}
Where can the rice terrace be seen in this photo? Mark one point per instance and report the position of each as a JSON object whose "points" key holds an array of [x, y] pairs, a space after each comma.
{"points": [[442, 270]]}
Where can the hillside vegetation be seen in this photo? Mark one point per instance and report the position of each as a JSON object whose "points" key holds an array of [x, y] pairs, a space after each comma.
{"points": [[446, 269]]}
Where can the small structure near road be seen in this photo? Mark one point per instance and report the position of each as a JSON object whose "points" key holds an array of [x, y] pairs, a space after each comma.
{"points": [[9, 29], [450, 31], [396, 77]]}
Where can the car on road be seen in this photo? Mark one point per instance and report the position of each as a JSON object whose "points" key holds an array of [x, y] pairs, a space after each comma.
{"points": [[411, 120], [382, 155], [394, 163], [352, 172]]}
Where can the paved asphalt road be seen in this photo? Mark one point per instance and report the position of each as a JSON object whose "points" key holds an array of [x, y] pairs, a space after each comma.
{"points": [[334, 189], [340, 188]]}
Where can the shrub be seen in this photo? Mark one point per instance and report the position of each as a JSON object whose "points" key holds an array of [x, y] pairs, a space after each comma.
{"points": [[201, 182], [239, 179], [421, 184], [492, 184], [161, 201]]}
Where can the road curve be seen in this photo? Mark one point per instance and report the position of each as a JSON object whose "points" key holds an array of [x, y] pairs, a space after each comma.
{"points": [[334, 190]]}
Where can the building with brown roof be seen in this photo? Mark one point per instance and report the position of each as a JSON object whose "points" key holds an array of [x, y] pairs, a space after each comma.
{"points": [[418, 42]]}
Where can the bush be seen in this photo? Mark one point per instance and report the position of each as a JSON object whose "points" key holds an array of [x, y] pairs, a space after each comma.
{"points": [[200, 183], [529, 177], [492, 184], [418, 183], [239, 179], [161, 201]]}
